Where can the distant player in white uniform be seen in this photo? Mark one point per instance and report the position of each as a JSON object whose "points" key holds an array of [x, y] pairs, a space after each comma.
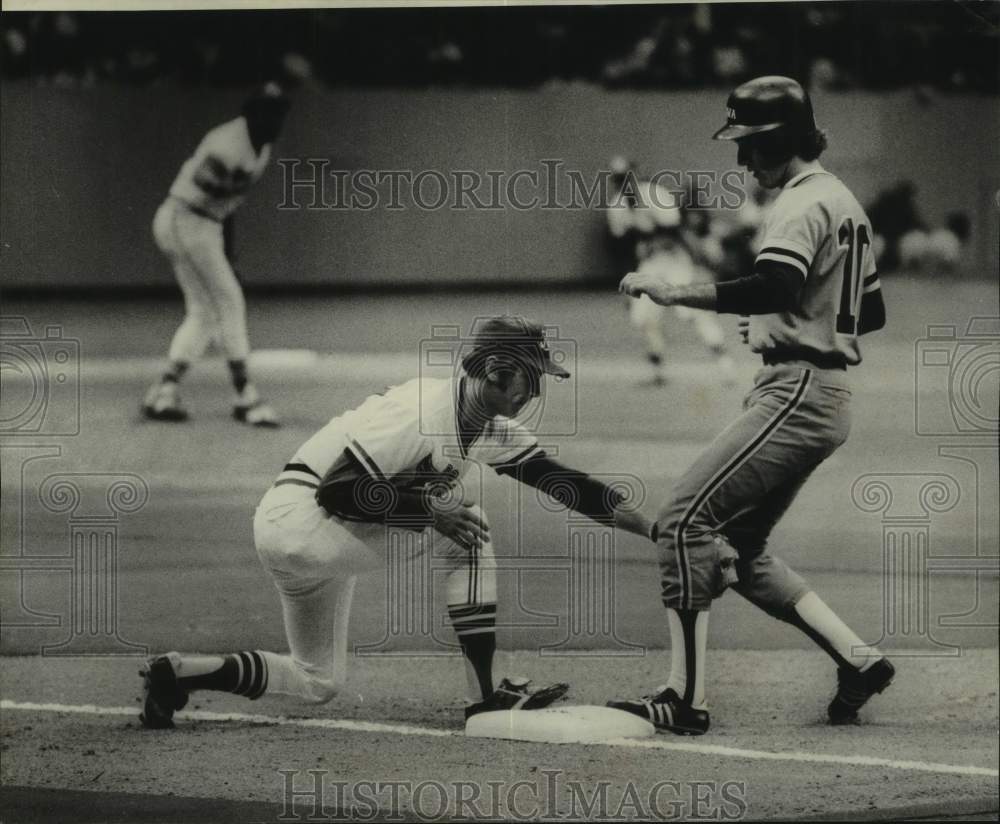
{"points": [[397, 461], [645, 222], [193, 228], [813, 291]]}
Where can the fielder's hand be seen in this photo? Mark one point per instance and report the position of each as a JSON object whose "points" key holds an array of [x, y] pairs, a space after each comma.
{"points": [[463, 523], [635, 284]]}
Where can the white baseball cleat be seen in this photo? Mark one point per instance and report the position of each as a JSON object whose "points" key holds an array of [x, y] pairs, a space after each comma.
{"points": [[163, 403], [251, 410]]}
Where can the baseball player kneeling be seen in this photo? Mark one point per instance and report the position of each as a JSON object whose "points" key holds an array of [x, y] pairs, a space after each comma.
{"points": [[396, 461]]}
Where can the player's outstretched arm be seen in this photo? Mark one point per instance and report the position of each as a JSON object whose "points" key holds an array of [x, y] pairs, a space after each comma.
{"points": [[579, 492], [653, 285], [773, 287]]}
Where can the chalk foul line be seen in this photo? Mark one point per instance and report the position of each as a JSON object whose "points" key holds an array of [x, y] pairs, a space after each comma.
{"points": [[406, 729]]}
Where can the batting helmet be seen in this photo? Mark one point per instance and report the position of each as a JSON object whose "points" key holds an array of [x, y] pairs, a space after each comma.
{"points": [[764, 104]]}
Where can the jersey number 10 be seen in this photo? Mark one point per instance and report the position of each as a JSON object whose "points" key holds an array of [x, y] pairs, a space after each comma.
{"points": [[856, 241]]}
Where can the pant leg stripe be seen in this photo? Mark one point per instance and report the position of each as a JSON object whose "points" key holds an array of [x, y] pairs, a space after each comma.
{"points": [[689, 619], [723, 475], [473, 565]]}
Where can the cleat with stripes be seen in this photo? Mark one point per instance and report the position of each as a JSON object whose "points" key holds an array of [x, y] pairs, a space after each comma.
{"points": [[855, 688], [513, 694], [162, 696], [666, 711]]}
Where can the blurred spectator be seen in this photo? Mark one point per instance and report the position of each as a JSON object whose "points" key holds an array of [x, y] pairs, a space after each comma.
{"points": [[894, 217], [15, 53], [946, 245], [936, 45], [913, 246]]}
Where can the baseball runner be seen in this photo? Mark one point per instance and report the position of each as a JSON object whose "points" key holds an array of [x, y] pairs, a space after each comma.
{"points": [[645, 217], [194, 229], [813, 291], [396, 460]]}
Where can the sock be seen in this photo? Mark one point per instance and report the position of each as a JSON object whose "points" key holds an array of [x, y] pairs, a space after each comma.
{"points": [[824, 627], [475, 626], [243, 673], [175, 372], [688, 648], [238, 372]]}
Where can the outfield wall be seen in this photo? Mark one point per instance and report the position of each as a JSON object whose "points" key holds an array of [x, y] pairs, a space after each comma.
{"points": [[83, 171]]}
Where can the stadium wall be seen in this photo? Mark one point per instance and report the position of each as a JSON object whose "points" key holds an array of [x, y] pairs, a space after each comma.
{"points": [[83, 172]]}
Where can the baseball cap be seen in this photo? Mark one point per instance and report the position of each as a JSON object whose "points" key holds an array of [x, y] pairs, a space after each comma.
{"points": [[518, 336], [764, 104]]}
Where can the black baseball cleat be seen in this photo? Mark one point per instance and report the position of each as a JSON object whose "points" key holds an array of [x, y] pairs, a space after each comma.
{"points": [[161, 695], [513, 694], [666, 711], [855, 688]]}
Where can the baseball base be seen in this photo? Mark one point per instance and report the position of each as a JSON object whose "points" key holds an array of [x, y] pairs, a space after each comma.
{"points": [[559, 725]]}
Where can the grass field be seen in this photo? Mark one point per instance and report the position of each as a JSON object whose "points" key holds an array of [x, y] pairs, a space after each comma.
{"points": [[175, 503]]}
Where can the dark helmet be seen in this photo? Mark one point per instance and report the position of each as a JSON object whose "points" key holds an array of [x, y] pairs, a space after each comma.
{"points": [[764, 104], [269, 102]]}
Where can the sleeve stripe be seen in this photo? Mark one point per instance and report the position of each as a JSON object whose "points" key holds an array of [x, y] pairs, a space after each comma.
{"points": [[872, 278], [787, 258], [876, 286], [775, 250], [519, 458], [366, 460]]}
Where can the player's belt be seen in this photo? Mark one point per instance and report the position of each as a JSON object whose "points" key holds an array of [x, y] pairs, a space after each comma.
{"points": [[197, 210], [818, 359], [298, 474]]}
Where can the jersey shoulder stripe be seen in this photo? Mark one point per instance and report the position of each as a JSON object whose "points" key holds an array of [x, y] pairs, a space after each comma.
{"points": [[366, 460], [789, 256], [532, 451]]}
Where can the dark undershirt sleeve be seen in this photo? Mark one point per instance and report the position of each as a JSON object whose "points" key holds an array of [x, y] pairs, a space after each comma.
{"points": [[872, 309], [575, 490], [773, 287], [349, 492]]}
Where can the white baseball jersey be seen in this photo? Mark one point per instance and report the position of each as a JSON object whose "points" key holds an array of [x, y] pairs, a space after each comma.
{"points": [[817, 226], [409, 436], [227, 150]]}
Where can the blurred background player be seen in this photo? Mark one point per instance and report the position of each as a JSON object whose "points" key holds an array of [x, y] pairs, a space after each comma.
{"points": [[194, 229], [647, 233], [813, 291], [397, 460]]}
